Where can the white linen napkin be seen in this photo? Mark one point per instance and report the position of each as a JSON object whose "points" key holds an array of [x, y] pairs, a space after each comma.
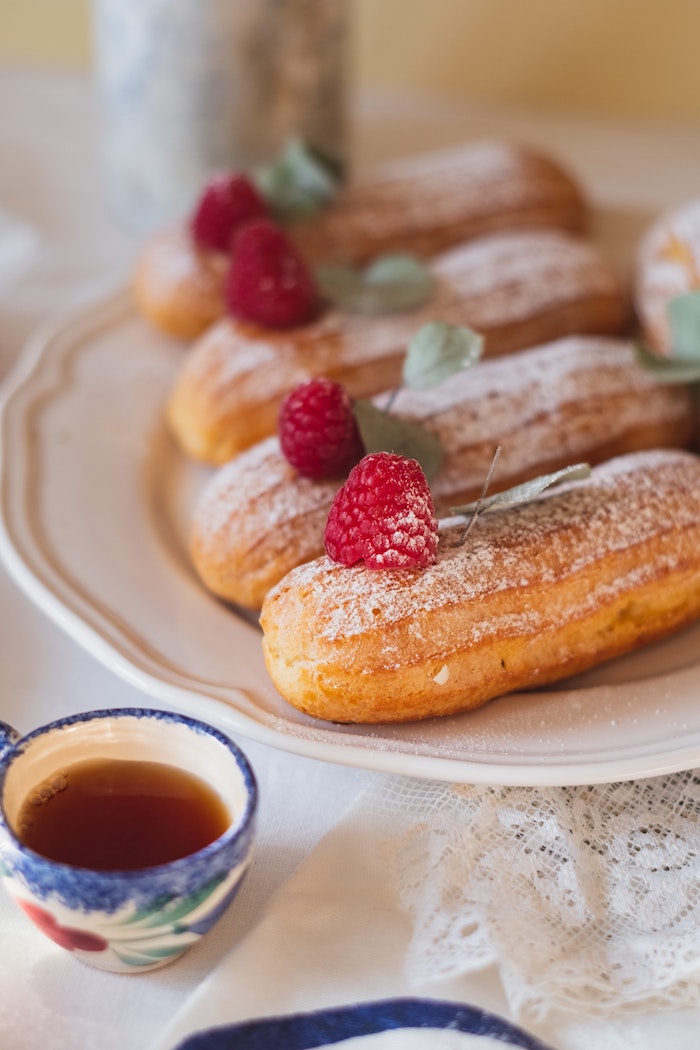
{"points": [[368, 915]]}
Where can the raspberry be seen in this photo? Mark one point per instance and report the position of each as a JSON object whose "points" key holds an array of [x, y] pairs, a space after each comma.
{"points": [[268, 281], [317, 430], [224, 205], [383, 515]]}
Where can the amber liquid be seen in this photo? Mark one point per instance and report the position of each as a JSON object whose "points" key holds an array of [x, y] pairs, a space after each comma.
{"points": [[110, 814]]}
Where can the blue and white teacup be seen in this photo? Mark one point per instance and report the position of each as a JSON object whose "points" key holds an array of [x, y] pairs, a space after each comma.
{"points": [[133, 920]]}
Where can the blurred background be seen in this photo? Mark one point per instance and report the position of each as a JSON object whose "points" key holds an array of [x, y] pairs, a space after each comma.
{"points": [[632, 59]]}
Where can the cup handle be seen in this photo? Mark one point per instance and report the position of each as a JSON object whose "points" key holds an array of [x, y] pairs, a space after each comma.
{"points": [[8, 737]]}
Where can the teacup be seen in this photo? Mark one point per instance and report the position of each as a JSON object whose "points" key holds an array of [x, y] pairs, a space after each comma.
{"points": [[125, 918]]}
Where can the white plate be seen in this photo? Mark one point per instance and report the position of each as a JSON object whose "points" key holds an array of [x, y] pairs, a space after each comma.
{"points": [[95, 503]]}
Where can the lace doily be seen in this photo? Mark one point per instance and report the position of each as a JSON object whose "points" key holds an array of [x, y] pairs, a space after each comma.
{"points": [[587, 898]]}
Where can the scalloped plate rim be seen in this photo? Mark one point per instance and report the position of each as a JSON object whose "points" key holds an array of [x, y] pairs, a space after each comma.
{"points": [[228, 705]]}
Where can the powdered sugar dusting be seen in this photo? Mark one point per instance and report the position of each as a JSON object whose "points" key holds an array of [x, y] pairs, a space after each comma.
{"points": [[624, 503], [490, 284], [429, 203], [259, 493], [561, 399], [173, 261], [517, 274], [383, 515]]}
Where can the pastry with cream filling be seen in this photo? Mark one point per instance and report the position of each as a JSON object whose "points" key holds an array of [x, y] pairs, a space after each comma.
{"points": [[517, 289], [421, 206], [578, 399], [535, 593]]}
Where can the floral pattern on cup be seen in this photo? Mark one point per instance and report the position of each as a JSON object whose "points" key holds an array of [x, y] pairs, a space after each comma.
{"points": [[145, 938], [138, 919], [68, 937]]}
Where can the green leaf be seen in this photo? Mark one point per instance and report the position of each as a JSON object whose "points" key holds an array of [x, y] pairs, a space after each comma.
{"points": [[437, 351], [183, 906], [162, 952], [525, 493], [391, 284], [381, 432], [166, 911], [401, 270], [146, 957], [300, 182], [684, 319], [147, 912], [668, 369]]}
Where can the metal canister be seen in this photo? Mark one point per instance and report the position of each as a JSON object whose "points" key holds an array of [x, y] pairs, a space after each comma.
{"points": [[194, 87]]}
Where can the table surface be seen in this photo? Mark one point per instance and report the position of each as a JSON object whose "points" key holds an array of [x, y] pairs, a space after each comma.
{"points": [[50, 179]]}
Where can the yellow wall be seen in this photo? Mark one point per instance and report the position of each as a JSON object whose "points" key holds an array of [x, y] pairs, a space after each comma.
{"points": [[54, 32], [621, 57], [634, 57]]}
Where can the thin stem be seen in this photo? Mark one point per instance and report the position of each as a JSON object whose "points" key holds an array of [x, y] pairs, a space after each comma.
{"points": [[477, 507], [393, 394]]}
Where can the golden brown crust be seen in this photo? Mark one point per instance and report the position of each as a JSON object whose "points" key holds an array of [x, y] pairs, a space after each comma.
{"points": [[178, 289], [421, 206], [427, 205], [256, 519], [517, 289], [579, 399], [537, 593]]}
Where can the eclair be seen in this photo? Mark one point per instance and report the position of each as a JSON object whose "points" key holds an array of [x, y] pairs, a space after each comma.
{"points": [[517, 289], [578, 399], [428, 204], [421, 207], [177, 287], [533, 594], [667, 265]]}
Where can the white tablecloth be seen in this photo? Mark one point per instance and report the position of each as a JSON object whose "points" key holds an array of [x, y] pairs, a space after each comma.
{"points": [[50, 181]]}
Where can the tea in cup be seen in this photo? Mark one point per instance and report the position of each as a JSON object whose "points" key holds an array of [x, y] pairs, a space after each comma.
{"points": [[126, 833]]}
